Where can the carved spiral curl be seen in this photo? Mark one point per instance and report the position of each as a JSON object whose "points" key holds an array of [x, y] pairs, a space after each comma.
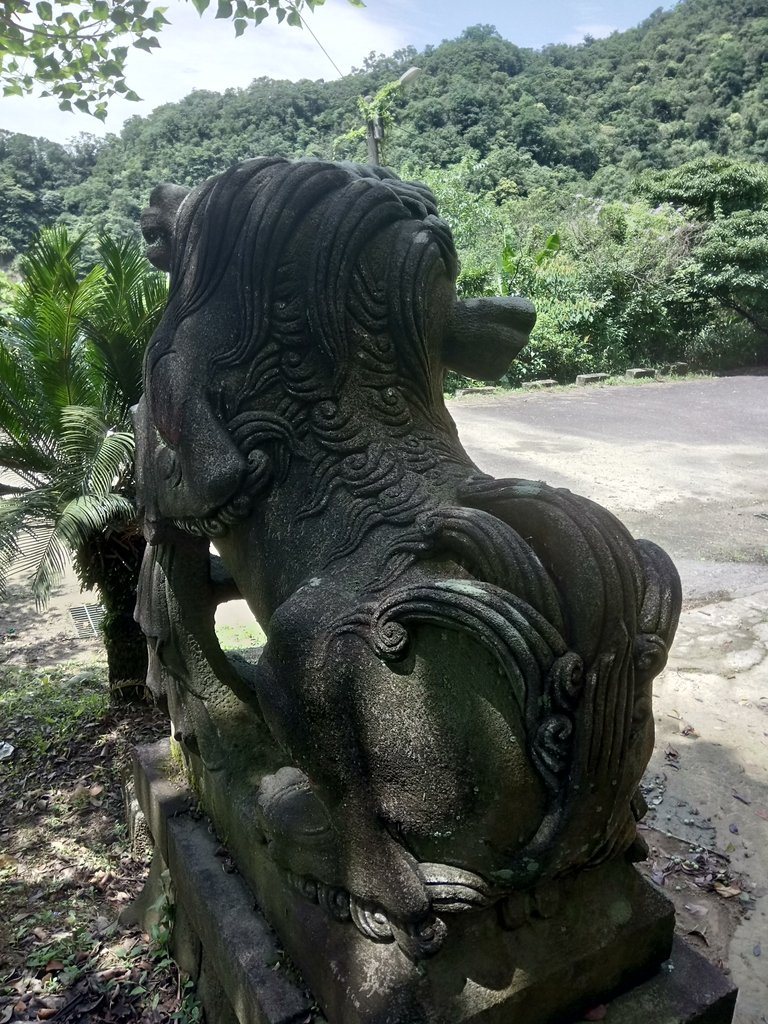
{"points": [[552, 742], [371, 921], [334, 901], [389, 639], [306, 887], [338, 430], [650, 654], [421, 940], [566, 680]]}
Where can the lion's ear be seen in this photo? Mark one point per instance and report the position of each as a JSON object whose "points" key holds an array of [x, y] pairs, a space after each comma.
{"points": [[485, 335], [158, 221]]}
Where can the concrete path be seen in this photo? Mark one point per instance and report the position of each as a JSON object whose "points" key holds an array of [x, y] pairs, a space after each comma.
{"points": [[686, 465]]}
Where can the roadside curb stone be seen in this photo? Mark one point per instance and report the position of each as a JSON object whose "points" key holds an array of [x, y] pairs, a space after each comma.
{"points": [[639, 372], [591, 378]]}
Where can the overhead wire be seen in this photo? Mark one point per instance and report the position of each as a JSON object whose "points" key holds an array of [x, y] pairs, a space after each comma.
{"points": [[306, 26]]}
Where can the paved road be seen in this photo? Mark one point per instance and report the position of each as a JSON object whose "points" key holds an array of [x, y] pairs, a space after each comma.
{"points": [[683, 463]]}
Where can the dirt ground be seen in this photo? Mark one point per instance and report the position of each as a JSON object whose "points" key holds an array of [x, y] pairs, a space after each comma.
{"points": [[67, 868]]}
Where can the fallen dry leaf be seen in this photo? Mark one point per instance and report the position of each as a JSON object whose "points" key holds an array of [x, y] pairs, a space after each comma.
{"points": [[46, 1012], [726, 891], [111, 972]]}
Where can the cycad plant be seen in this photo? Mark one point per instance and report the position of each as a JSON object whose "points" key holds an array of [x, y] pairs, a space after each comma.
{"points": [[71, 351]]}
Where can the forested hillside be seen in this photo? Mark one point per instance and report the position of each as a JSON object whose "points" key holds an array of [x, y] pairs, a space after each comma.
{"points": [[684, 84], [546, 163]]}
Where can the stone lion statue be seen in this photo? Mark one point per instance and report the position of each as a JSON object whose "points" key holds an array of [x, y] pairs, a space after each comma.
{"points": [[455, 687]]}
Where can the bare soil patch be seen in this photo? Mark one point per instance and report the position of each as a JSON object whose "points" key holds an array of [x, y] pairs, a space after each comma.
{"points": [[66, 867]]}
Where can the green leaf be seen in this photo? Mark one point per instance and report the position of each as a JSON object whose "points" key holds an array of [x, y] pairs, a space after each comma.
{"points": [[294, 18], [44, 11], [260, 16], [551, 248], [357, 3], [224, 9], [240, 26], [147, 43], [200, 5]]}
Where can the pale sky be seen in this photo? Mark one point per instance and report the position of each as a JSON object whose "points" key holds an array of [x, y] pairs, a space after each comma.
{"points": [[202, 53]]}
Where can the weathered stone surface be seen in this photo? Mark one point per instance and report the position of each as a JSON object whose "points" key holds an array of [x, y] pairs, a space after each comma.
{"points": [[546, 382], [463, 392], [452, 711], [160, 789], [215, 1000], [233, 938], [146, 910], [687, 990], [186, 948], [638, 372], [591, 378]]}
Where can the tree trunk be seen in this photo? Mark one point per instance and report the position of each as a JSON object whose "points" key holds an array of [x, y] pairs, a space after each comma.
{"points": [[126, 648], [111, 562]]}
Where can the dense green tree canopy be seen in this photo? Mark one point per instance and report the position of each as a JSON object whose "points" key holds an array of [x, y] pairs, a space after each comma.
{"points": [[687, 84]]}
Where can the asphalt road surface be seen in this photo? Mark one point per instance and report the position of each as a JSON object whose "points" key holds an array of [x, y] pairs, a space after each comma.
{"points": [[682, 463]]}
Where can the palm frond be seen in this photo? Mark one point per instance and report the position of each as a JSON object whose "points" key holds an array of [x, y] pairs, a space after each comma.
{"points": [[24, 417], [71, 354], [79, 521], [105, 454], [120, 325]]}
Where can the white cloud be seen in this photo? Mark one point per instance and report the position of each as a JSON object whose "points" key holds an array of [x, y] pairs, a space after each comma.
{"points": [[597, 31], [202, 53]]}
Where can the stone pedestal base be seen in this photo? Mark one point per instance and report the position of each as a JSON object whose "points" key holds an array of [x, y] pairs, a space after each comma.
{"points": [[603, 939], [687, 990]]}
